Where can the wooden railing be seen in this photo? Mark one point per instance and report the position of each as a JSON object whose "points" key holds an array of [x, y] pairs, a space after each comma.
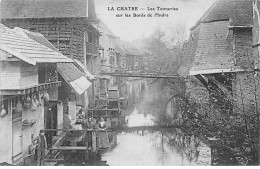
{"points": [[80, 137]]}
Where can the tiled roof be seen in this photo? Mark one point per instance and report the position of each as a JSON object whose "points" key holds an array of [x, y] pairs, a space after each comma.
{"points": [[239, 12], [17, 43], [38, 38], [189, 52], [214, 50], [209, 50], [47, 9]]}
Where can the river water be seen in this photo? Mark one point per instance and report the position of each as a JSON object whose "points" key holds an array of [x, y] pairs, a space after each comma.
{"points": [[151, 149]]}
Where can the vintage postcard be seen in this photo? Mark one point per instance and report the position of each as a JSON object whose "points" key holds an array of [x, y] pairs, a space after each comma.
{"points": [[129, 82]]}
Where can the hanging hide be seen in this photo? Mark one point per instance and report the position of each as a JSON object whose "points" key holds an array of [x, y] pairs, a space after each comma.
{"points": [[33, 105], [46, 97], [40, 97], [3, 112], [27, 103], [36, 101], [19, 107]]}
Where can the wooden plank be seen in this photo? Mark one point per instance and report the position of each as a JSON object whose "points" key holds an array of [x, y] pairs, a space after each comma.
{"points": [[29, 81], [11, 81], [140, 75], [68, 130], [50, 163], [52, 160], [103, 109], [68, 148]]}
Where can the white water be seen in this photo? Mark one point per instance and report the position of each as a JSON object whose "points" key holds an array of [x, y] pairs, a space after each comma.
{"points": [[136, 119]]}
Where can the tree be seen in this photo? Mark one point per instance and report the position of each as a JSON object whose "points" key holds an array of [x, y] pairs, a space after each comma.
{"points": [[163, 56]]}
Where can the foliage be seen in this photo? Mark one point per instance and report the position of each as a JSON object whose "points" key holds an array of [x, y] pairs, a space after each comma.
{"points": [[234, 125], [163, 56]]}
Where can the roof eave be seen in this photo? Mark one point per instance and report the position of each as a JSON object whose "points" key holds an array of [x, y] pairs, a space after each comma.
{"points": [[195, 26], [113, 36], [216, 71], [18, 55], [241, 27]]}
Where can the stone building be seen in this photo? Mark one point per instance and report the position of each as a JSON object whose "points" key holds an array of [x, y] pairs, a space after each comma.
{"points": [[220, 64], [219, 51]]}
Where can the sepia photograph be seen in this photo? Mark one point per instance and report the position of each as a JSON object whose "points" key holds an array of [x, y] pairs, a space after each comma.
{"points": [[129, 83]]}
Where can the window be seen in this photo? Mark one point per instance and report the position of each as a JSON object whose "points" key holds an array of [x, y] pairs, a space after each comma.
{"points": [[113, 124], [9, 103], [136, 62], [90, 37], [124, 63], [111, 60]]}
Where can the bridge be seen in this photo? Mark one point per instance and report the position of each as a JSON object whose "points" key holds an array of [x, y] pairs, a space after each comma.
{"points": [[144, 128], [122, 129], [141, 75]]}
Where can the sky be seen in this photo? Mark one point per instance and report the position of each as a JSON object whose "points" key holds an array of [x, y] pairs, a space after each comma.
{"points": [[131, 28]]}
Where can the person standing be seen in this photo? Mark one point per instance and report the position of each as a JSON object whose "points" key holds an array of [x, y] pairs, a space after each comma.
{"points": [[88, 125], [103, 141], [80, 115], [41, 148]]}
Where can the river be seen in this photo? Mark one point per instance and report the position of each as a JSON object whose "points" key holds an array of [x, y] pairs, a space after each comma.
{"points": [[151, 149]]}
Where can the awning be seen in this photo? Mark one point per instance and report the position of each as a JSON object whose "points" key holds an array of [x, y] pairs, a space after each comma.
{"points": [[74, 77], [87, 73], [80, 85]]}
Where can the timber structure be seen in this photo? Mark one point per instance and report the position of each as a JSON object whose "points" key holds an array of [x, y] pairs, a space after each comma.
{"points": [[141, 75]]}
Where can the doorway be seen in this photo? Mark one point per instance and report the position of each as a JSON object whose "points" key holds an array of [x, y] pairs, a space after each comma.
{"points": [[50, 120], [17, 135]]}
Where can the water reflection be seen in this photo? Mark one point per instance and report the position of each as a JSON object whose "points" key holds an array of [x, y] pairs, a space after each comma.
{"points": [[148, 150], [134, 149]]}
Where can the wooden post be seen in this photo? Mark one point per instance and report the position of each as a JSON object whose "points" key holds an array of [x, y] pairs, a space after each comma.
{"points": [[94, 141], [51, 156], [115, 138], [182, 157], [211, 154], [162, 142], [93, 93], [86, 155]]}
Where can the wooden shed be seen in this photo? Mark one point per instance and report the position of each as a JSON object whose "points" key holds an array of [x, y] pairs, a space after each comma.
{"points": [[28, 73], [67, 24]]}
